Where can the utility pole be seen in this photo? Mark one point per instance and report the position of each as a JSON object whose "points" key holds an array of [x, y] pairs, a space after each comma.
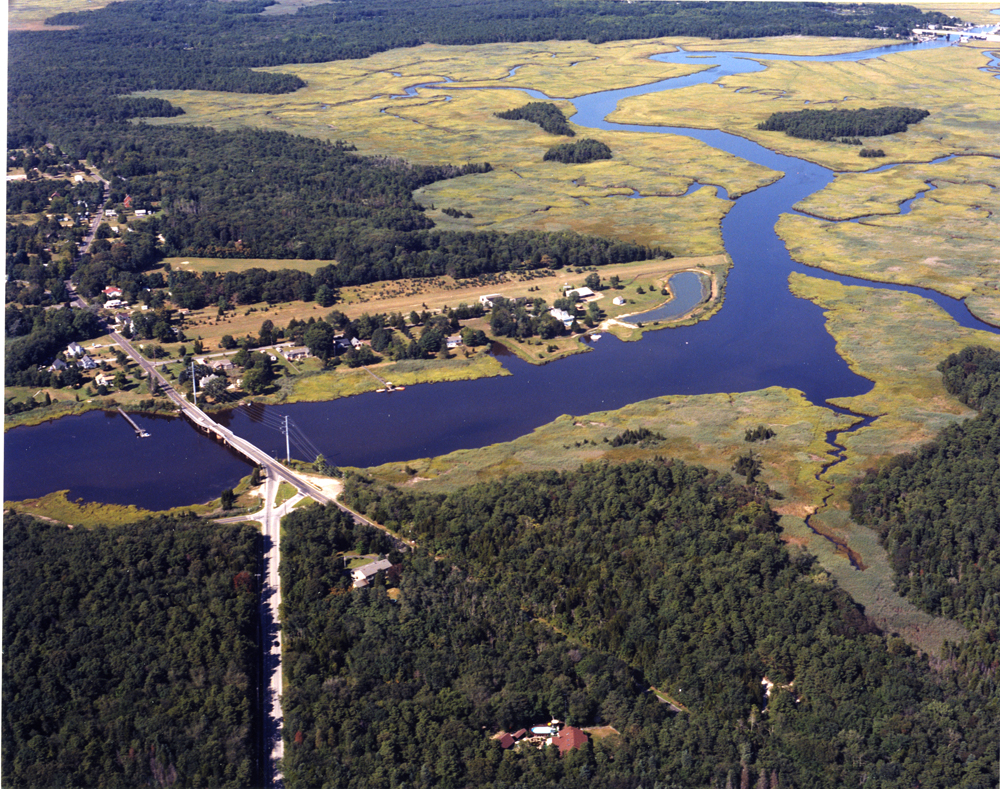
{"points": [[288, 452]]}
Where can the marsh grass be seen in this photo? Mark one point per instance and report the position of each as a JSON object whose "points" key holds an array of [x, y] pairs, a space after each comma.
{"points": [[872, 587], [947, 242], [964, 103], [350, 100], [706, 429], [895, 340], [58, 507]]}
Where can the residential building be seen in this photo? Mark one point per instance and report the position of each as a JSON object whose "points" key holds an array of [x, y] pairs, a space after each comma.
{"points": [[365, 572]]}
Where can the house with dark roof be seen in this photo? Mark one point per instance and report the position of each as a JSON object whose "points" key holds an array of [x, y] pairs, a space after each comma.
{"points": [[363, 574]]}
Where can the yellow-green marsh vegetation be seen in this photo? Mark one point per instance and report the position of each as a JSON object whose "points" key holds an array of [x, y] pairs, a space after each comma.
{"points": [[705, 429], [947, 242], [964, 103], [896, 340]]}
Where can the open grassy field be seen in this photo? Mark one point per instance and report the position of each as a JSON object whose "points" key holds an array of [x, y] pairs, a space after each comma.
{"points": [[947, 242], [344, 382], [31, 14], [219, 265], [964, 103], [978, 13]]}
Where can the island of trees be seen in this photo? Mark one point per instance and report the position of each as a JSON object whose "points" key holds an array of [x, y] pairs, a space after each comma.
{"points": [[581, 152], [546, 115], [832, 124]]}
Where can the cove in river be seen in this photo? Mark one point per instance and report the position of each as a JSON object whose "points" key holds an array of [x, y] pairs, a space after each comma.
{"points": [[762, 336]]}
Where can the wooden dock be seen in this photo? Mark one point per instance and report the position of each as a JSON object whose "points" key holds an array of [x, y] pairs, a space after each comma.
{"points": [[138, 430], [387, 385]]}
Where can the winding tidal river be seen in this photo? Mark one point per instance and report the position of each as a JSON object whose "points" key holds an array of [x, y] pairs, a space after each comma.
{"points": [[763, 336]]}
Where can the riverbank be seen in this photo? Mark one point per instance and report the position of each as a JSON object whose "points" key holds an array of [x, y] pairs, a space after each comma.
{"points": [[58, 508]]}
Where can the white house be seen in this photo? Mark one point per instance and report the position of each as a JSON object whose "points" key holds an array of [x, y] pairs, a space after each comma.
{"points": [[488, 299], [562, 315], [618, 301], [74, 349], [362, 574]]}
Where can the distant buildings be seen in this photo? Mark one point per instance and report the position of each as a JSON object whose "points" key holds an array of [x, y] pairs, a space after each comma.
{"points": [[565, 738]]}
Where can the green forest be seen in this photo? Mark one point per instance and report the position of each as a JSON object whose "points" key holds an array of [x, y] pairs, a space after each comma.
{"points": [[130, 654], [833, 124], [569, 596], [937, 510]]}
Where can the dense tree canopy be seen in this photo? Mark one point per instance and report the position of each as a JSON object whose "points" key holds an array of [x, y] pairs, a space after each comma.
{"points": [[581, 152], [546, 115], [937, 510], [679, 574], [831, 124], [129, 654]]}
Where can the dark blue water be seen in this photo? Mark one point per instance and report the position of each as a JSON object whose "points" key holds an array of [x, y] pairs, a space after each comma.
{"points": [[762, 336]]}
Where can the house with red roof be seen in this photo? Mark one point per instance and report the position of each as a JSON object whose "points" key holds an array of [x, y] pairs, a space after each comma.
{"points": [[568, 739]]}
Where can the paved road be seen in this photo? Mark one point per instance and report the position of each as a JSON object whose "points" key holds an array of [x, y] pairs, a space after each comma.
{"points": [[270, 517]]}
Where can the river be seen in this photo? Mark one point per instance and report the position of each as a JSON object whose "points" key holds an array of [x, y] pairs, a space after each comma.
{"points": [[763, 336]]}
